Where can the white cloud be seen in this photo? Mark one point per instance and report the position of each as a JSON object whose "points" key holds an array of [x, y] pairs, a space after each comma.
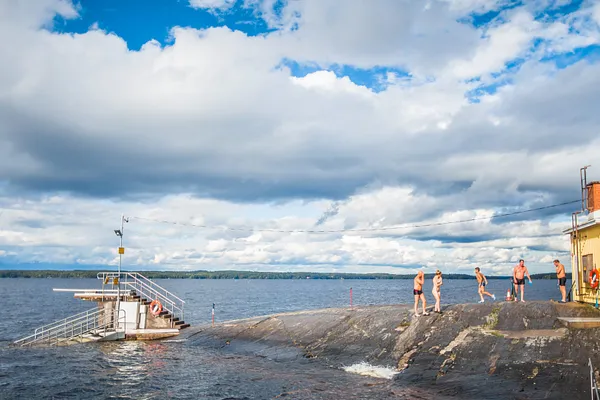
{"points": [[211, 115], [596, 13], [69, 230], [212, 4], [328, 81], [501, 44]]}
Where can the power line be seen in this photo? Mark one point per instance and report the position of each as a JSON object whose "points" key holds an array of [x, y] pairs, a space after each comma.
{"points": [[388, 228]]}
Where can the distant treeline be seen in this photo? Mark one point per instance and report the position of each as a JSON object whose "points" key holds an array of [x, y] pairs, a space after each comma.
{"points": [[237, 275]]}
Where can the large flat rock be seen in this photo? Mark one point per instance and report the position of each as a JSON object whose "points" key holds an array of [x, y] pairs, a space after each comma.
{"points": [[498, 350]]}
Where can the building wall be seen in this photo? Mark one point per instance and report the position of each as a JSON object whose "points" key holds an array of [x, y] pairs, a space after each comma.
{"points": [[153, 322], [135, 312], [588, 244]]}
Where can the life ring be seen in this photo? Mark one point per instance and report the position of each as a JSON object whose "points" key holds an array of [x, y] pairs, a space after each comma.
{"points": [[155, 307], [593, 279]]}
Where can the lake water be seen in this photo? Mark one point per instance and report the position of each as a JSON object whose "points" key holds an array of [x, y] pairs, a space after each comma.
{"points": [[173, 369]]}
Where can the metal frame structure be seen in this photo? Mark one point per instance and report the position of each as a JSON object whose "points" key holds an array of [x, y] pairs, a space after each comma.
{"points": [[119, 233], [593, 383], [144, 287], [584, 189], [96, 322]]}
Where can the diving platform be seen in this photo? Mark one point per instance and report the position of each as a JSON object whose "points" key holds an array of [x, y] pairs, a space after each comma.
{"points": [[129, 306]]}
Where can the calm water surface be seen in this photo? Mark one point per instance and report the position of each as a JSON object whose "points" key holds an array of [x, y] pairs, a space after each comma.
{"points": [[175, 369]]}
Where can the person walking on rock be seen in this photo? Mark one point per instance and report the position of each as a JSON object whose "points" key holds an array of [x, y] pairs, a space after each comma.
{"points": [[418, 292], [519, 273], [482, 282], [562, 280], [437, 283]]}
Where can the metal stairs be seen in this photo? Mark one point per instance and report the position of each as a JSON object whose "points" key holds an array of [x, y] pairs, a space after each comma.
{"points": [[145, 291], [176, 322], [100, 324], [91, 325]]}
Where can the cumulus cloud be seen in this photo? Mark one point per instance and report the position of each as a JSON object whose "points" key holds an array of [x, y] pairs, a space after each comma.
{"points": [[212, 4], [212, 234], [211, 129]]}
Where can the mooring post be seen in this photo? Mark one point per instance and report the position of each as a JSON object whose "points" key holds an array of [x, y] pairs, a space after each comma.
{"points": [[213, 314]]}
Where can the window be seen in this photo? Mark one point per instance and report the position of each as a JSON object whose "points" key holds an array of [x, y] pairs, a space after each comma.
{"points": [[587, 262]]}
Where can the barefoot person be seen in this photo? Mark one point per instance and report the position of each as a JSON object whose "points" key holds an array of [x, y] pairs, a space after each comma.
{"points": [[561, 275], [418, 292], [437, 283], [482, 281], [519, 273]]}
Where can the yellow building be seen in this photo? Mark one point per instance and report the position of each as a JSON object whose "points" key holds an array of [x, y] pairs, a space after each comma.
{"points": [[585, 245]]}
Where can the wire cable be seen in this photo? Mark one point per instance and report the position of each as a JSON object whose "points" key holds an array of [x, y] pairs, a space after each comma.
{"points": [[388, 228]]}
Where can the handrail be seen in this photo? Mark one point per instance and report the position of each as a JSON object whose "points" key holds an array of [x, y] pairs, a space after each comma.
{"points": [[593, 383], [571, 290], [151, 294], [148, 289], [76, 326], [138, 276], [62, 321], [153, 284], [144, 290]]}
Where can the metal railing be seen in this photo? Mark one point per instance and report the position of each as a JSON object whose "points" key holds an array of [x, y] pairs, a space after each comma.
{"points": [[593, 383], [94, 322], [147, 289]]}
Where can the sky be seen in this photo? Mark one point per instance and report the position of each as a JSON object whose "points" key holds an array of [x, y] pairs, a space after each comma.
{"points": [[227, 130]]}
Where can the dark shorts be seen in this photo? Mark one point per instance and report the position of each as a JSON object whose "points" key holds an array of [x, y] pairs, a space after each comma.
{"points": [[562, 281], [417, 292], [482, 284], [520, 281]]}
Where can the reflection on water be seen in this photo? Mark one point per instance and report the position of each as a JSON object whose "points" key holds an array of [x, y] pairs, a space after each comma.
{"points": [[158, 370], [129, 363]]}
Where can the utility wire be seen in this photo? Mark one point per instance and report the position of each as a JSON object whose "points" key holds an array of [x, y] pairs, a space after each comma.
{"points": [[388, 228]]}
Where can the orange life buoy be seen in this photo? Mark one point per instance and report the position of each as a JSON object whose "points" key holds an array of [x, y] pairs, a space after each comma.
{"points": [[593, 279], [155, 307]]}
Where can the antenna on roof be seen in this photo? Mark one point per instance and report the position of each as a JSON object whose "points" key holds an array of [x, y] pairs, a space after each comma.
{"points": [[584, 189]]}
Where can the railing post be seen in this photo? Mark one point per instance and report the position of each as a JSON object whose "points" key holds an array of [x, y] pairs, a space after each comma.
{"points": [[593, 383]]}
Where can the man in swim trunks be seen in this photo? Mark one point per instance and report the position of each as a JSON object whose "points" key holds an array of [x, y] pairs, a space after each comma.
{"points": [[482, 281], [519, 273], [418, 292], [562, 280]]}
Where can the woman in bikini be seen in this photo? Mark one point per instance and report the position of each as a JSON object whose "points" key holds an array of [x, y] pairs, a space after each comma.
{"points": [[437, 283]]}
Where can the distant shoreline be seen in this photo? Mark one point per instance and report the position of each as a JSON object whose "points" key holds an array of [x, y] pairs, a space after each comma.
{"points": [[241, 275]]}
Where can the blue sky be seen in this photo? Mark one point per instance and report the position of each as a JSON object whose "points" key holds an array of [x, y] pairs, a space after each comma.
{"points": [[138, 22], [290, 116]]}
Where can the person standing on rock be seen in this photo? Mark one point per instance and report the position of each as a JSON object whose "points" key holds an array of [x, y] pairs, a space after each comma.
{"points": [[562, 280], [482, 281], [437, 284], [519, 273], [418, 292]]}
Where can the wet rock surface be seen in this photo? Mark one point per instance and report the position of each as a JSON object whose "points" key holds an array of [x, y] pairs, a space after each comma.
{"points": [[471, 351]]}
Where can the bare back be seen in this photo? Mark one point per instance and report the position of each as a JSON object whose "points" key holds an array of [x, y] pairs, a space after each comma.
{"points": [[479, 276]]}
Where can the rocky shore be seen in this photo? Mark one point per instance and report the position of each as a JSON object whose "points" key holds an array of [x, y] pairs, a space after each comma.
{"points": [[495, 350]]}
